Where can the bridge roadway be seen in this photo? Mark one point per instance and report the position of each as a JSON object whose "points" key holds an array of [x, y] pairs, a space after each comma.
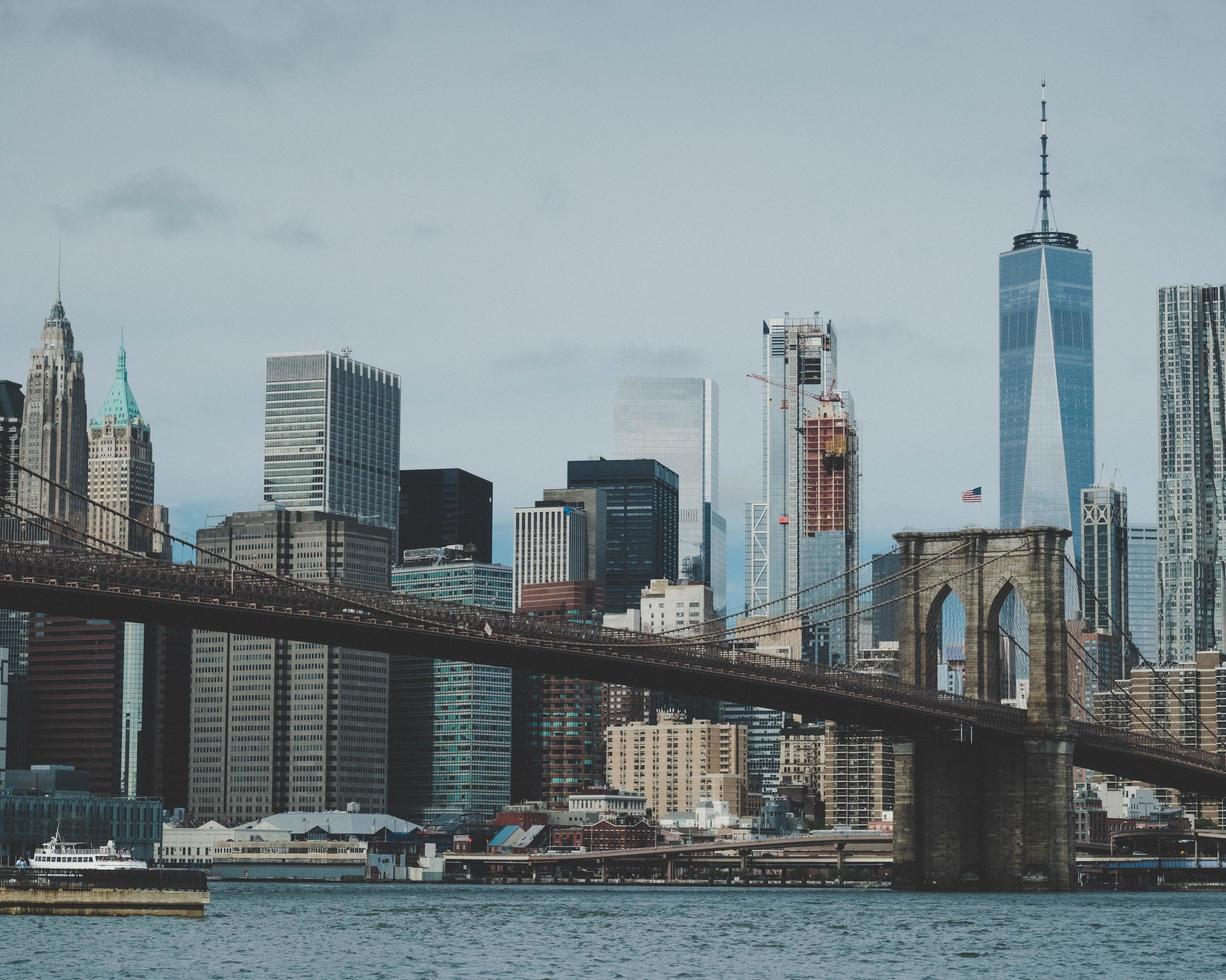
{"points": [[88, 584]]}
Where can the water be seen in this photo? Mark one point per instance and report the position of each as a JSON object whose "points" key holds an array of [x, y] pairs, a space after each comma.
{"points": [[622, 931]]}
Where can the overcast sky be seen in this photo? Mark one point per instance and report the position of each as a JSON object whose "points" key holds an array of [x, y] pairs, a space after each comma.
{"points": [[510, 204]]}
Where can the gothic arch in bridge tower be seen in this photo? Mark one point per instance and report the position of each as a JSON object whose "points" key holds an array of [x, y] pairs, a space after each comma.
{"points": [[1006, 643], [944, 633]]}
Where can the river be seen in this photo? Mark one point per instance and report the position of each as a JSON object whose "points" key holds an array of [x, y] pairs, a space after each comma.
{"points": [[588, 932]]}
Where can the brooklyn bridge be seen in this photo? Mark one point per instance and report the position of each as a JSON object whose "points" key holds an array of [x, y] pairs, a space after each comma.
{"points": [[983, 790]]}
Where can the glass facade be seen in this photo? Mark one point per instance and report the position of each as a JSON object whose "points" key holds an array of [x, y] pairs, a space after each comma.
{"points": [[1143, 588], [450, 722], [1192, 469], [1046, 381], [676, 421], [1104, 559], [332, 437], [443, 507], [641, 523]]}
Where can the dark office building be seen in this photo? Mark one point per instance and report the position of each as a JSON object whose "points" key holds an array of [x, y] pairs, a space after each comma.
{"points": [[447, 506], [12, 404], [642, 523], [885, 617]]}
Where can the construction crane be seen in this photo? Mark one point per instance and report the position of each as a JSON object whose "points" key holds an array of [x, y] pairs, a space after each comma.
{"points": [[788, 388]]}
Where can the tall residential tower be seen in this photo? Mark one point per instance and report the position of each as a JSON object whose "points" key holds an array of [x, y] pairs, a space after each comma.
{"points": [[1192, 469], [1046, 371]]}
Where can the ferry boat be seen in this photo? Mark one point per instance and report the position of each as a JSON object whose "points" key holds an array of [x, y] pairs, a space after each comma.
{"points": [[61, 855]]}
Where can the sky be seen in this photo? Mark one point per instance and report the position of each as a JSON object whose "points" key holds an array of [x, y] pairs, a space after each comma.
{"points": [[510, 205]]}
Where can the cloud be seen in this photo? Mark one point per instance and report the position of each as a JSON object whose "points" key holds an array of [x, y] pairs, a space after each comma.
{"points": [[171, 202], [188, 42], [294, 232]]}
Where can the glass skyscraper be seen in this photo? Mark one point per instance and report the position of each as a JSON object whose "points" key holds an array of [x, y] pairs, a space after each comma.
{"points": [[332, 437], [1046, 372], [450, 722], [676, 421], [1143, 588]]}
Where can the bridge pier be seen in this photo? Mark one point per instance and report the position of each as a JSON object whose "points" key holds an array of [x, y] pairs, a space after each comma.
{"points": [[992, 816]]}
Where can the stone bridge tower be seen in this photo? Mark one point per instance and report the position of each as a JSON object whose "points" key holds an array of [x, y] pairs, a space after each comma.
{"points": [[975, 809]]}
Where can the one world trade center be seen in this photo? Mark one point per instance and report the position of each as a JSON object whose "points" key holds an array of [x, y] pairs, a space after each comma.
{"points": [[1046, 371]]}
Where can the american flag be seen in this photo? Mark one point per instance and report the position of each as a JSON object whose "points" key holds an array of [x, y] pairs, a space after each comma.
{"points": [[974, 496]]}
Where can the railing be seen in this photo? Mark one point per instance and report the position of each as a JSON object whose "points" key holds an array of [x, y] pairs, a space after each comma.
{"points": [[1150, 745], [194, 584]]}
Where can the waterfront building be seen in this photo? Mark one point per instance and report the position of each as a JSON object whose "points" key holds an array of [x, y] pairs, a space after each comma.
{"points": [[604, 802], [556, 735], [802, 536], [550, 545], [4, 707], [1143, 589], [41, 800], [676, 421], [1192, 469], [1104, 558], [285, 725], [642, 506], [54, 442], [666, 761], [444, 507], [1046, 371], [449, 723], [332, 437]]}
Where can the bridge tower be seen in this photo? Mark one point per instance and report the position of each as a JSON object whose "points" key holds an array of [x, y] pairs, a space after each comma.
{"points": [[975, 809]]}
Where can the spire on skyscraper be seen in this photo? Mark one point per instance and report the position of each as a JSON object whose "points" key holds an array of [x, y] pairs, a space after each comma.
{"points": [[1043, 229], [120, 407]]}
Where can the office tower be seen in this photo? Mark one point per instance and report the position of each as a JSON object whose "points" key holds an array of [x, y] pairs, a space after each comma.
{"points": [[12, 405], [444, 507], [13, 623], [641, 505], [857, 774], [1104, 558], [1191, 470], [449, 723], [1143, 589], [75, 683], [676, 421], [594, 504], [556, 733], [332, 437], [802, 537], [54, 441], [283, 725], [672, 761], [1046, 371], [887, 588], [4, 707], [551, 545]]}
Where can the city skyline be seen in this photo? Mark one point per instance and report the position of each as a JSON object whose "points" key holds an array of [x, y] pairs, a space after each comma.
{"points": [[163, 215]]}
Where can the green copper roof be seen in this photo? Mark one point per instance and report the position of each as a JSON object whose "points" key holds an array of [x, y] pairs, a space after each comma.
{"points": [[120, 406]]}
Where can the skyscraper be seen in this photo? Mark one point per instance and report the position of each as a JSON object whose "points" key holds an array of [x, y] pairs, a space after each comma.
{"points": [[1105, 559], [1192, 469], [449, 723], [332, 436], [641, 507], [54, 431], [1143, 588], [279, 724], [1046, 371], [802, 537], [676, 421], [444, 507], [14, 624], [551, 545]]}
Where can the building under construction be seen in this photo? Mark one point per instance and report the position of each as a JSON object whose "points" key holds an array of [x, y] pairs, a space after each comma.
{"points": [[802, 536]]}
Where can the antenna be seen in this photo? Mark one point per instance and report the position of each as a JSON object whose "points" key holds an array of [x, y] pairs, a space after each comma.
{"points": [[59, 265], [1044, 193]]}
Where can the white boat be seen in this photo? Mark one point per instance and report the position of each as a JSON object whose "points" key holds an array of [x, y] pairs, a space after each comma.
{"points": [[61, 855]]}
